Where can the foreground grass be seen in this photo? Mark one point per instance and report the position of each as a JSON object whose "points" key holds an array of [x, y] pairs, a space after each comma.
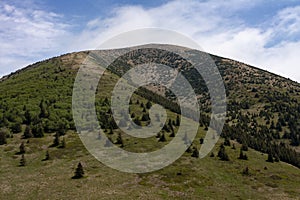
{"points": [[188, 177]]}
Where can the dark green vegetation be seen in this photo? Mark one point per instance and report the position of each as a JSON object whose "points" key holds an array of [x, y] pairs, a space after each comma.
{"points": [[38, 133]]}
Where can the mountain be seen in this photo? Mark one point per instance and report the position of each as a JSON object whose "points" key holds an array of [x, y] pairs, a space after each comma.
{"points": [[262, 123]]}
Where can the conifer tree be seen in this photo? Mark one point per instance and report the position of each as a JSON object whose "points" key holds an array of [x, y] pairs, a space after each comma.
{"points": [[162, 138], [222, 153], [270, 158], [56, 140], [120, 140], [78, 172], [3, 134], [47, 157], [195, 153], [22, 148], [226, 142], [63, 143], [22, 161]]}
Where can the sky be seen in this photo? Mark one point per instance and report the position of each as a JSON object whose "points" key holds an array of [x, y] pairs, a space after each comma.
{"points": [[265, 34]]}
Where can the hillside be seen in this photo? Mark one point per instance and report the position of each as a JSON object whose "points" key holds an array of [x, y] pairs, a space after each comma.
{"points": [[263, 119]]}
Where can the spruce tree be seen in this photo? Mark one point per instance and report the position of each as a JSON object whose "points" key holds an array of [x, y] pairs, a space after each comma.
{"points": [[16, 127], [22, 161], [3, 134], [162, 138], [148, 105], [47, 157], [120, 140], [195, 153], [222, 153], [244, 147], [270, 158], [78, 172], [63, 143], [227, 142], [56, 140], [22, 148], [27, 132], [201, 140]]}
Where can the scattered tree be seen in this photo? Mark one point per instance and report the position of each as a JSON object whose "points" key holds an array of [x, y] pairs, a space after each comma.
{"points": [[63, 143], [22, 148], [195, 153], [162, 138], [27, 132], [201, 140], [222, 153], [78, 172], [47, 157], [3, 135], [227, 142], [16, 127], [23, 160], [270, 158], [242, 155], [56, 140], [120, 140], [246, 171]]}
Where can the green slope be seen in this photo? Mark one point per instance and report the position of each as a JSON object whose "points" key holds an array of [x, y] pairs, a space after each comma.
{"points": [[41, 94]]}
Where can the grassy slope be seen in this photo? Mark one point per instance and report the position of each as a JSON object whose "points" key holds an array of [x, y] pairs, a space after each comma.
{"points": [[207, 178]]}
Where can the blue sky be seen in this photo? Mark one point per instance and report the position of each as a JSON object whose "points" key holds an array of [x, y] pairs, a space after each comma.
{"points": [[262, 33]]}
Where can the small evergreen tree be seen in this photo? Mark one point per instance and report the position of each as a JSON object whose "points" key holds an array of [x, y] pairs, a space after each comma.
{"points": [[162, 138], [270, 158], [227, 142], [222, 153], [172, 133], [63, 143], [56, 140], [137, 122], [244, 147], [189, 149], [195, 153], [38, 130], [22, 148], [145, 117], [148, 105], [16, 127], [242, 155], [120, 140], [78, 172], [27, 132], [22, 161], [47, 157], [201, 140], [3, 135]]}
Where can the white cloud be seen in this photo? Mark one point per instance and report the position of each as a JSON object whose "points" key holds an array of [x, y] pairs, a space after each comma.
{"points": [[27, 35], [216, 25]]}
